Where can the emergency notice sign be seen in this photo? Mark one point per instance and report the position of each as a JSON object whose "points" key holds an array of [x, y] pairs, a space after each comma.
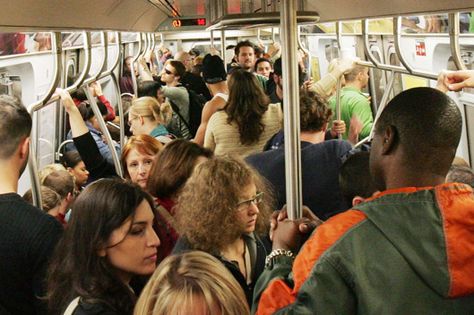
{"points": [[420, 48]]}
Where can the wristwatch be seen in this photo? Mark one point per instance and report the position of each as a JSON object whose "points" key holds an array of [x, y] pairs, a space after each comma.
{"points": [[277, 253]]}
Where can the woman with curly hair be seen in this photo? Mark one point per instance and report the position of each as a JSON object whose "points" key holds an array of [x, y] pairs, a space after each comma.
{"points": [[200, 283], [248, 120], [110, 238], [222, 210]]}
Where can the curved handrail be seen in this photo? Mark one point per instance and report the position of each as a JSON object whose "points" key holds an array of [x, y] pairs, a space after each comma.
{"points": [[104, 45], [105, 131], [58, 154], [453, 22], [56, 48], [32, 109], [339, 36], [87, 63], [305, 50], [132, 64], [365, 35], [397, 26], [117, 58]]}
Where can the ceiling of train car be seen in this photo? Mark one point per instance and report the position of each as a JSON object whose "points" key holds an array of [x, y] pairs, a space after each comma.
{"points": [[148, 15], [353, 9]]}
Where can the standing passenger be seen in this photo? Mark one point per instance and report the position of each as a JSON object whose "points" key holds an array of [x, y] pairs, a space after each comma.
{"points": [[408, 249], [222, 210], [148, 116], [320, 161], [198, 281], [110, 238], [248, 120], [27, 235], [170, 170], [73, 163], [354, 104], [213, 72], [177, 96]]}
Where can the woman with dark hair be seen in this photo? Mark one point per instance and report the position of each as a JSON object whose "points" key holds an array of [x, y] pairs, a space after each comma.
{"points": [[109, 239], [170, 170], [73, 163], [223, 208], [248, 120], [126, 81]]}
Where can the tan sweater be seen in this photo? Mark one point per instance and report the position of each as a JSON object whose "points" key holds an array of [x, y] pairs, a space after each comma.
{"points": [[224, 138]]}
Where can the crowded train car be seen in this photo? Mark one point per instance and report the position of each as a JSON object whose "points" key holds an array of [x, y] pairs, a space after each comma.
{"points": [[236, 157]]}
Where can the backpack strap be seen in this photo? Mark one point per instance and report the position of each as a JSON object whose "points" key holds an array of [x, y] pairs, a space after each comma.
{"points": [[167, 216], [72, 306], [176, 110]]}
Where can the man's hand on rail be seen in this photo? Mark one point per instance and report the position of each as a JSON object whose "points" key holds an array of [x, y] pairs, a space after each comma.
{"points": [[344, 65], [457, 80], [338, 128], [289, 234]]}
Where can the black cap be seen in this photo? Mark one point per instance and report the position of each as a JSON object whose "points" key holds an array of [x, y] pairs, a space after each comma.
{"points": [[213, 70]]}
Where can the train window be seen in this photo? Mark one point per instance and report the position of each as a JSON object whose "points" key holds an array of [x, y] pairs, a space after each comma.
{"points": [[381, 26], [22, 43], [436, 23]]}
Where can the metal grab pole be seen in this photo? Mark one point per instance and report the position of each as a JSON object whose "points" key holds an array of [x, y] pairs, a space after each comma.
{"points": [[105, 131], [132, 64], [453, 21], [291, 110], [56, 48], [223, 45], [338, 102], [383, 102]]}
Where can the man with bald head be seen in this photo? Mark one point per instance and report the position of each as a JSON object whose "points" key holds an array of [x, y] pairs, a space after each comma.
{"points": [[190, 80], [407, 250]]}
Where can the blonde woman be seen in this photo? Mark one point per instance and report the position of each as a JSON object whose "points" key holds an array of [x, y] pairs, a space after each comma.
{"points": [[192, 283], [148, 116]]}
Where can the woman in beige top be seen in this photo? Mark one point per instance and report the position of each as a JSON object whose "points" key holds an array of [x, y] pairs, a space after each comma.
{"points": [[247, 122]]}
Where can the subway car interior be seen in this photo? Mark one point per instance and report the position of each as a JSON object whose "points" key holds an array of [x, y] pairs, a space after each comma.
{"points": [[46, 45]]}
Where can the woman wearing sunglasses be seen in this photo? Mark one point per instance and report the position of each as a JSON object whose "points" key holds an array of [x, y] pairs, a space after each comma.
{"points": [[222, 210]]}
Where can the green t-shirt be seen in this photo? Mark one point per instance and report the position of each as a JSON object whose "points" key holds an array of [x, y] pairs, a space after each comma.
{"points": [[353, 102]]}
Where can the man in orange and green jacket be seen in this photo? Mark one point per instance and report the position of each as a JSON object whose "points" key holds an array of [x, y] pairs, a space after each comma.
{"points": [[408, 250]]}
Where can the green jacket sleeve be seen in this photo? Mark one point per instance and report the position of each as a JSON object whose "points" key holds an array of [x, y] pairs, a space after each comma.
{"points": [[326, 291]]}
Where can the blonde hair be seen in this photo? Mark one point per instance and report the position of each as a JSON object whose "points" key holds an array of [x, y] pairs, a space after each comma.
{"points": [[192, 275], [49, 198], [148, 106], [48, 169]]}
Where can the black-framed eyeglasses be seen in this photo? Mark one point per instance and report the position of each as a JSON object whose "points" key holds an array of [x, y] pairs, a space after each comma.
{"points": [[168, 71], [258, 198]]}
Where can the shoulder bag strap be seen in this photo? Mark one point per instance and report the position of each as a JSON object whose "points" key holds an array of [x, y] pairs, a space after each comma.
{"points": [[72, 306]]}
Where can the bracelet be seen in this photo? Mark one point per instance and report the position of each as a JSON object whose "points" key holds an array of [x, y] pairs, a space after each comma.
{"points": [[275, 253]]}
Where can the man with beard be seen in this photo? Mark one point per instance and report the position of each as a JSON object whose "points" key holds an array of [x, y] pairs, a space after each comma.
{"points": [[27, 235]]}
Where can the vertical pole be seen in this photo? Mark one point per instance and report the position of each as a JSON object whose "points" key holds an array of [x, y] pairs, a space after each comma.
{"points": [[223, 44], [291, 109]]}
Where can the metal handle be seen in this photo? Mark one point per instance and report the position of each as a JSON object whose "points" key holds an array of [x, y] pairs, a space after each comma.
{"points": [[453, 21], [397, 26], [105, 131], [132, 64], [292, 116]]}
